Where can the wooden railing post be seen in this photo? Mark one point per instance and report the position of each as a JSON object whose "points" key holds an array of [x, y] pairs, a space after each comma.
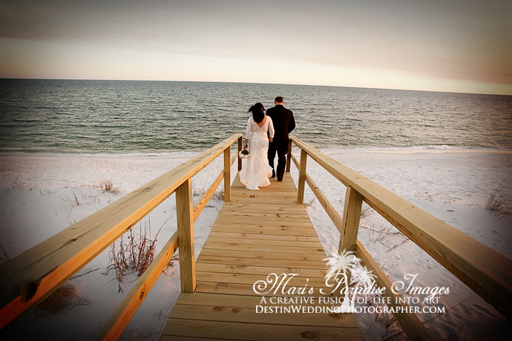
{"points": [[351, 217], [227, 174], [289, 156], [184, 210], [240, 142], [302, 176], [350, 226]]}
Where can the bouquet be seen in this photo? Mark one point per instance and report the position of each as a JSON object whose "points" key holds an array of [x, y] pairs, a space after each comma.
{"points": [[244, 154]]}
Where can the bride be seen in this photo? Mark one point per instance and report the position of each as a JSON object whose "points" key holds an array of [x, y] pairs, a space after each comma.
{"points": [[256, 170]]}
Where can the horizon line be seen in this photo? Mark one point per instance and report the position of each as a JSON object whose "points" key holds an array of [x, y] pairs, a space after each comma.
{"points": [[242, 82]]}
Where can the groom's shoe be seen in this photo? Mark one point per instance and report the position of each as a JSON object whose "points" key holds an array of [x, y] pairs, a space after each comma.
{"points": [[279, 179], [273, 174]]}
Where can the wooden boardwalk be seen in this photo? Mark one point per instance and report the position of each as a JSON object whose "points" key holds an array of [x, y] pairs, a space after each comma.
{"points": [[256, 234]]}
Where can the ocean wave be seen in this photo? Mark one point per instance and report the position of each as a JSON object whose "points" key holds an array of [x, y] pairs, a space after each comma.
{"points": [[428, 148], [126, 117], [37, 153]]}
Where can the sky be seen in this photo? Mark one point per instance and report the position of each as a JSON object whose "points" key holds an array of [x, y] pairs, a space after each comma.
{"points": [[434, 45]]}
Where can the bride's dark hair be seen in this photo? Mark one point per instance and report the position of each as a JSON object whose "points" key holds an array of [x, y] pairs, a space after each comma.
{"points": [[257, 112]]}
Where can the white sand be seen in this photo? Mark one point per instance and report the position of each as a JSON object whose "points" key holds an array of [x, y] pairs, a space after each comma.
{"points": [[453, 185], [41, 195]]}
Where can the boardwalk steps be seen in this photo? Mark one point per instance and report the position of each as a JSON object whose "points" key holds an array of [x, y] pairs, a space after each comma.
{"points": [[256, 234]]}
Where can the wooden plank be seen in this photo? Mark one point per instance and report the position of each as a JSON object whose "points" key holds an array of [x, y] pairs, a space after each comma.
{"points": [[239, 150], [300, 216], [233, 159], [288, 156], [256, 254], [227, 288], [227, 174], [237, 235], [349, 227], [294, 159], [209, 193], [254, 331], [280, 206], [30, 277], [276, 230], [240, 301], [351, 218], [297, 281], [238, 246], [262, 262], [254, 218], [249, 269], [118, 321], [484, 270], [266, 220], [298, 224], [249, 315], [188, 338], [265, 200], [184, 211], [213, 300], [410, 323], [275, 187], [269, 223], [302, 176], [256, 242], [207, 196], [254, 208], [276, 192], [264, 223], [326, 204]]}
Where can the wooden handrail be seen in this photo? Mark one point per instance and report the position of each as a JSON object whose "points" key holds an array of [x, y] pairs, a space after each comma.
{"points": [[209, 192], [410, 323], [29, 278], [484, 270]]}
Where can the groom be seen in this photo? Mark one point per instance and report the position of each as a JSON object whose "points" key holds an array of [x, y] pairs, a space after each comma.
{"points": [[284, 123]]}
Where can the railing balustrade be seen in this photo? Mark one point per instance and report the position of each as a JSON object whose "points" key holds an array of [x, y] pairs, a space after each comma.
{"points": [[484, 270], [26, 280]]}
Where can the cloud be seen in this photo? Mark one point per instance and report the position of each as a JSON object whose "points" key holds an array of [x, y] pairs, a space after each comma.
{"points": [[455, 40]]}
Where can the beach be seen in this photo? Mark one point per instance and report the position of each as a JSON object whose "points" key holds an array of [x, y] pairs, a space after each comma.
{"points": [[42, 194], [102, 104]]}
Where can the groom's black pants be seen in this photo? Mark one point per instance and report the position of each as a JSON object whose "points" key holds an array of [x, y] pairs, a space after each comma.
{"points": [[281, 147]]}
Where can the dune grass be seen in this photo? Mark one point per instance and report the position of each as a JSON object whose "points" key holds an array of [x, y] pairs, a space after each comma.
{"points": [[133, 253]]}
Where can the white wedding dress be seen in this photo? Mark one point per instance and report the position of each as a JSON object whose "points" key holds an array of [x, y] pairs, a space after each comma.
{"points": [[255, 169]]}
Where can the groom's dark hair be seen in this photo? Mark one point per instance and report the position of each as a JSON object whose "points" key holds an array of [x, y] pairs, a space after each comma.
{"points": [[279, 99]]}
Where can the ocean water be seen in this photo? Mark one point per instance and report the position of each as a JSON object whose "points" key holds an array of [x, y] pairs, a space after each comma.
{"points": [[122, 117]]}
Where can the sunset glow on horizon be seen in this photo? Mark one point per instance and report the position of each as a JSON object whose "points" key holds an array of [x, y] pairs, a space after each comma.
{"points": [[456, 46]]}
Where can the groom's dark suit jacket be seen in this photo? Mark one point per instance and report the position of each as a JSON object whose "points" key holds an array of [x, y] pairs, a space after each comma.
{"points": [[283, 121]]}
